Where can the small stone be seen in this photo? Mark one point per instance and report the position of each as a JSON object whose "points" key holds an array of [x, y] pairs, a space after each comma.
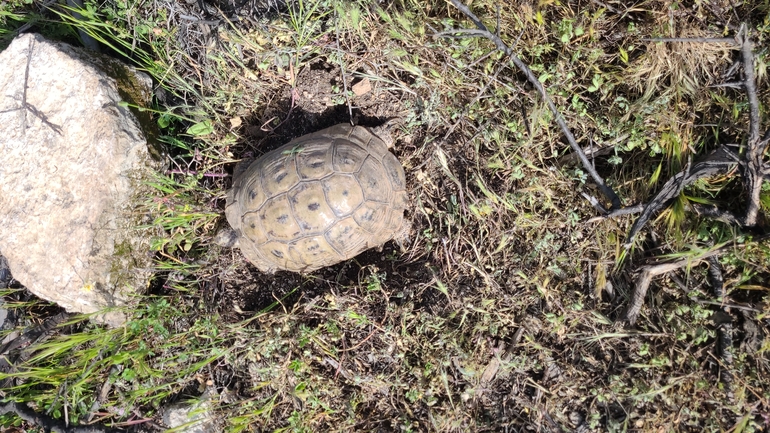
{"points": [[576, 418], [195, 417], [362, 87]]}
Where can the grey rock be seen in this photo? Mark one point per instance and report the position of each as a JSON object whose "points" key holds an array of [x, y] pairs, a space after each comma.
{"points": [[3, 315], [193, 417], [74, 164], [5, 273]]}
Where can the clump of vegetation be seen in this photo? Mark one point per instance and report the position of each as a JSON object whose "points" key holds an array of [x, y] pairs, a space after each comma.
{"points": [[507, 310]]}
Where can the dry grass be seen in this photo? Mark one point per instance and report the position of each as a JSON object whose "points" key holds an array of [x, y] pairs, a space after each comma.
{"points": [[500, 315]]}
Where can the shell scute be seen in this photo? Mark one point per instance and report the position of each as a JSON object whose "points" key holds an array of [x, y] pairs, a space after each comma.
{"points": [[318, 200]]}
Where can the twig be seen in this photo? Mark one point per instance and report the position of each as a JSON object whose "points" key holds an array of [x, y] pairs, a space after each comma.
{"points": [[649, 272], [717, 162], [714, 212], [294, 97], [606, 6], [197, 20], [595, 203], [756, 148], [33, 334], [628, 210], [726, 306], [45, 421], [342, 70], [196, 173], [26, 106], [483, 31], [724, 329], [595, 149], [8, 361], [101, 395], [454, 32], [700, 40], [732, 85]]}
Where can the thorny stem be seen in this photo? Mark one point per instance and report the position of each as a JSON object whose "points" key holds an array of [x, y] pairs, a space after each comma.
{"points": [[483, 31]]}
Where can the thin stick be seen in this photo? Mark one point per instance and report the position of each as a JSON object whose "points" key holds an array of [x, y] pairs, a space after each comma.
{"points": [[724, 329], [628, 210], [649, 272], [725, 306], [26, 105], [714, 212], [717, 162], [483, 31], [342, 70], [45, 421], [756, 149], [196, 173], [699, 40], [606, 6]]}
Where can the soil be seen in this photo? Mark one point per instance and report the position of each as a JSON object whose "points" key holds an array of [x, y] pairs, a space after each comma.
{"points": [[316, 103], [242, 290]]}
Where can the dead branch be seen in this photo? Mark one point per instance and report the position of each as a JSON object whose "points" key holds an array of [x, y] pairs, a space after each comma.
{"points": [[595, 203], [712, 212], [628, 210], [756, 148], [725, 328], [484, 32], [715, 213], [594, 150], [732, 41], [45, 421], [34, 334], [101, 397], [8, 361], [716, 278], [719, 161], [649, 272], [606, 6], [724, 350], [726, 306]]}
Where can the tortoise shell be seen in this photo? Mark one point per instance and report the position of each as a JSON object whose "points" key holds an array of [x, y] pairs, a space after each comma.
{"points": [[318, 200]]}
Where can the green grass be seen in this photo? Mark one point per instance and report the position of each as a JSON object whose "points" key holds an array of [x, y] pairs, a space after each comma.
{"points": [[502, 312]]}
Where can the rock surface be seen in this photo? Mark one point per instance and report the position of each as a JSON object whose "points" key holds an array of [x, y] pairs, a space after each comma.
{"points": [[196, 417], [74, 162]]}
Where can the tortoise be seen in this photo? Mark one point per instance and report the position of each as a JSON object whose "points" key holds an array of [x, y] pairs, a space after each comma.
{"points": [[318, 200]]}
